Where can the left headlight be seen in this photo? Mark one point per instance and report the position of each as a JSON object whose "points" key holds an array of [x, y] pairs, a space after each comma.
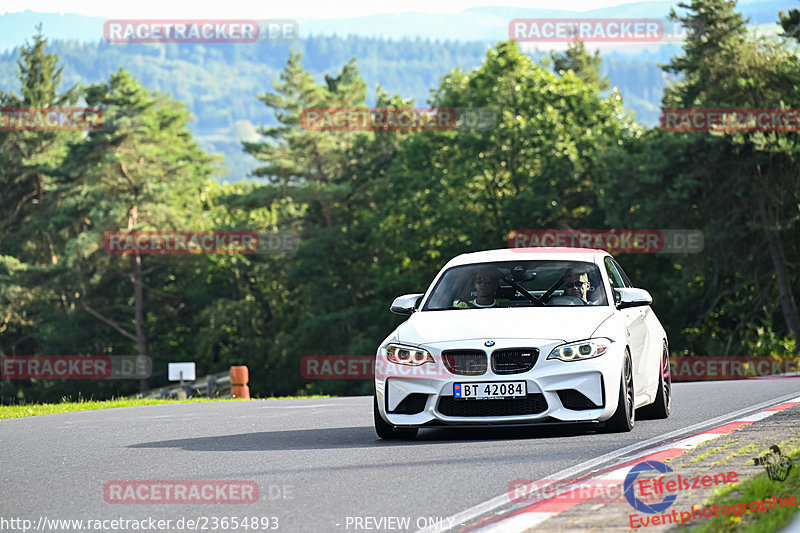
{"points": [[578, 351], [408, 355]]}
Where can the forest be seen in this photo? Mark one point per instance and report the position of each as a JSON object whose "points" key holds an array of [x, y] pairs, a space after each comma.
{"points": [[219, 82]]}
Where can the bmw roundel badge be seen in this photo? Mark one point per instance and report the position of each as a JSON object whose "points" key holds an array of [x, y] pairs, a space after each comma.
{"points": [[489, 343]]}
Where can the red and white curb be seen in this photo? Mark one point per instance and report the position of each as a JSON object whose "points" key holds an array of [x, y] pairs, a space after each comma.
{"points": [[540, 511]]}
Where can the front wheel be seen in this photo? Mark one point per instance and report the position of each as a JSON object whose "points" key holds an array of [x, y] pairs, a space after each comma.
{"points": [[663, 404], [387, 431], [625, 416]]}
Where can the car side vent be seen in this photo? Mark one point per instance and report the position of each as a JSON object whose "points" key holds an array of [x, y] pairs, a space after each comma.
{"points": [[412, 404], [574, 400], [465, 362], [514, 360]]}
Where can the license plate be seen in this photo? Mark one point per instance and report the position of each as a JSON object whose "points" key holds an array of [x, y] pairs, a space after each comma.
{"points": [[490, 390]]}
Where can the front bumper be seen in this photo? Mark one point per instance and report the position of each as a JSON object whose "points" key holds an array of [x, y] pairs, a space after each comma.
{"points": [[558, 391]]}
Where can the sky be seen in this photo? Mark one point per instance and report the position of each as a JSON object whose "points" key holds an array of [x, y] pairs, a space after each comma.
{"points": [[326, 9]]}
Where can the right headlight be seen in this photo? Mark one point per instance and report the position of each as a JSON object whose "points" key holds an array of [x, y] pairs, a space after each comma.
{"points": [[408, 355], [580, 350]]}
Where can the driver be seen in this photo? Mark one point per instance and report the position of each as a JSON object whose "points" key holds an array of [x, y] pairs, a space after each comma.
{"points": [[576, 283], [487, 282]]}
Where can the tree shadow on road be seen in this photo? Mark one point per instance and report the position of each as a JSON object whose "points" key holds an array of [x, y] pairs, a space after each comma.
{"points": [[363, 436]]}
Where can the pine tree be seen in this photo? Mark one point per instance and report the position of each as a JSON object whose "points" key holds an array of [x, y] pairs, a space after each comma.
{"points": [[585, 66]]}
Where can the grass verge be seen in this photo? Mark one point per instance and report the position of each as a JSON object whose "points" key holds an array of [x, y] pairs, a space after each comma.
{"points": [[16, 411], [752, 490]]}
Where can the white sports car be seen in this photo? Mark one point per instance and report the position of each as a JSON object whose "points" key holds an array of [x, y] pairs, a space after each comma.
{"points": [[523, 336]]}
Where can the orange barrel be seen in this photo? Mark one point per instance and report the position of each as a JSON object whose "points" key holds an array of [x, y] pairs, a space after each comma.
{"points": [[239, 378]]}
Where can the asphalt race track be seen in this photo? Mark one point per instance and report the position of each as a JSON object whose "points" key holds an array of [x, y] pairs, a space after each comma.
{"points": [[318, 463]]}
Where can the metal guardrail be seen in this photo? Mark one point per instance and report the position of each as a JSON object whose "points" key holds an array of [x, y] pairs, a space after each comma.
{"points": [[212, 386]]}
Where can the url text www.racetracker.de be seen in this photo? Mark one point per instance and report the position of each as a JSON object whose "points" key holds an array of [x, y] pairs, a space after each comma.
{"points": [[194, 523]]}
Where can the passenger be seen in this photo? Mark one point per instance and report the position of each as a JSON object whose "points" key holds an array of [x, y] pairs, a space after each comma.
{"points": [[487, 283]]}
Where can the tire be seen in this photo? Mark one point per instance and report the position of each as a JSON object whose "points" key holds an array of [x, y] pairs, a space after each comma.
{"points": [[624, 417], [387, 431], [662, 406]]}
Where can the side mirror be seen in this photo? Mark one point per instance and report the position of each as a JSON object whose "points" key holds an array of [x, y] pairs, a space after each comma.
{"points": [[626, 298], [406, 304]]}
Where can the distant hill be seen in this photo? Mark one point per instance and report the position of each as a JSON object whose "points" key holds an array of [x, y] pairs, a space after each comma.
{"points": [[485, 24], [219, 82]]}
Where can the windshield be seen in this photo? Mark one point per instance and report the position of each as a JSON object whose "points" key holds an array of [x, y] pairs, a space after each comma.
{"points": [[518, 284]]}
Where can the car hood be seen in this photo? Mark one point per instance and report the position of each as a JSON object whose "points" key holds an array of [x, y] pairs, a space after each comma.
{"points": [[557, 323]]}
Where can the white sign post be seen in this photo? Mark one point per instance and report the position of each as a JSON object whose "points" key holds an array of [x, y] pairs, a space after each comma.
{"points": [[179, 372]]}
